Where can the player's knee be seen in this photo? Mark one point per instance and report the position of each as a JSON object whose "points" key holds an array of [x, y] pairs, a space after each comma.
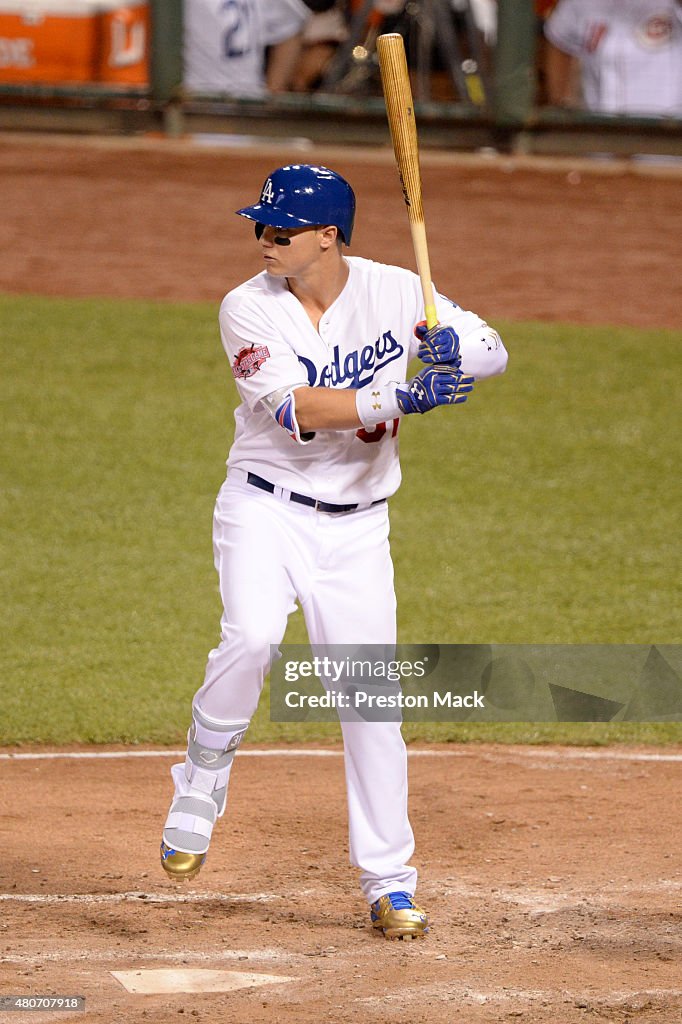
{"points": [[253, 641]]}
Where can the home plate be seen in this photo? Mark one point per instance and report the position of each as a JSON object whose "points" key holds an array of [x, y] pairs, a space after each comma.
{"points": [[170, 981]]}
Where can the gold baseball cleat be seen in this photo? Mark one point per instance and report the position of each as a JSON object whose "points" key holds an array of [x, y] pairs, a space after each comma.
{"points": [[399, 917], [181, 866]]}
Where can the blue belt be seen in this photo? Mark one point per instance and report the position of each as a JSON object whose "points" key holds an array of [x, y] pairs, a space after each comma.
{"points": [[303, 499]]}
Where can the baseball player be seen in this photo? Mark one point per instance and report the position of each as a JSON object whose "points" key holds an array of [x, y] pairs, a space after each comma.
{"points": [[225, 45], [629, 54], [319, 345]]}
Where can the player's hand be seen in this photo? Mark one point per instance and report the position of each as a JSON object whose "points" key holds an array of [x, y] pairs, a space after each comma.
{"points": [[432, 386], [440, 344]]}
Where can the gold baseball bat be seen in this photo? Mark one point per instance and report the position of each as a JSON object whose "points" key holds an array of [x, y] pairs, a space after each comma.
{"points": [[395, 80]]}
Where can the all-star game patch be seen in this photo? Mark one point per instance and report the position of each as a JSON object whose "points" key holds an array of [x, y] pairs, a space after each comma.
{"points": [[249, 361]]}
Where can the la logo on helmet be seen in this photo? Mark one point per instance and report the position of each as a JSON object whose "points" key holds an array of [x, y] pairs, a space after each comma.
{"points": [[268, 192]]}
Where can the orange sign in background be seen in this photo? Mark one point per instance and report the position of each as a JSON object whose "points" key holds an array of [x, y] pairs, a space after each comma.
{"points": [[72, 42]]}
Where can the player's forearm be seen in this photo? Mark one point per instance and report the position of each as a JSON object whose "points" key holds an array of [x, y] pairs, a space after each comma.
{"points": [[282, 61], [326, 409], [559, 67]]}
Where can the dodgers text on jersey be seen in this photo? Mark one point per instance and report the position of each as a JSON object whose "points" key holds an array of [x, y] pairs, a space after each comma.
{"points": [[358, 367]]}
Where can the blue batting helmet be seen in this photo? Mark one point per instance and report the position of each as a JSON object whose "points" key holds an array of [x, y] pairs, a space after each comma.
{"points": [[303, 195]]}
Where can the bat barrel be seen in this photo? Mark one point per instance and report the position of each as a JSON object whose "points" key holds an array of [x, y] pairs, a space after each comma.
{"points": [[395, 79]]}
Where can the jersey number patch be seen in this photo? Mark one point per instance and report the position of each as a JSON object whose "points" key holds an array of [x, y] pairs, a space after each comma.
{"points": [[370, 436], [236, 39]]}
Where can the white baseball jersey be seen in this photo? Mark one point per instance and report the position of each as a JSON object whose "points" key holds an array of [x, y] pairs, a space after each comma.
{"points": [[630, 53], [365, 337], [271, 552], [225, 41]]}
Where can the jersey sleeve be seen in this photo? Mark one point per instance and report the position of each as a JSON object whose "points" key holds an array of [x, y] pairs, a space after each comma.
{"points": [[261, 360], [481, 348], [284, 19], [564, 27], [448, 313]]}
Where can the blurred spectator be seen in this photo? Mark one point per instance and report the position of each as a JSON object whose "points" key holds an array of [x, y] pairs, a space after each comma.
{"points": [[629, 54], [572, 92], [484, 13], [321, 38], [226, 43]]}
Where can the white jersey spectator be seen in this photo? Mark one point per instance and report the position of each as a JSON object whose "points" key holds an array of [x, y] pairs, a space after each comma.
{"points": [[225, 43], [629, 52]]}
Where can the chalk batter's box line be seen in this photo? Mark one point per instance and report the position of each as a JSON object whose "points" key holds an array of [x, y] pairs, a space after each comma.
{"points": [[510, 753]]}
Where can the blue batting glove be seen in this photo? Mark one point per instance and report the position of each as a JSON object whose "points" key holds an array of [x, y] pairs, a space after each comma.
{"points": [[440, 344], [432, 386]]}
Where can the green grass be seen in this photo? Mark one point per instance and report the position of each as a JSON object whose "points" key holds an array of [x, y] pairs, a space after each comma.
{"points": [[543, 512]]}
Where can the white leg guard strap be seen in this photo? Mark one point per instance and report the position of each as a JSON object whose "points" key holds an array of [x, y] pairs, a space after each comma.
{"points": [[189, 822], [201, 783], [191, 817], [211, 747]]}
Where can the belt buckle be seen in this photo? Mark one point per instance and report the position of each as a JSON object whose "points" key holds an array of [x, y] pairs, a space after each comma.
{"points": [[317, 504]]}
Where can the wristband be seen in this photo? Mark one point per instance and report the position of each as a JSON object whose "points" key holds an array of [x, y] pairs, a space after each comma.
{"points": [[377, 404]]}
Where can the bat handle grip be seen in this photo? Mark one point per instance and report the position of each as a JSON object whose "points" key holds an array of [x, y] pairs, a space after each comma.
{"points": [[431, 316]]}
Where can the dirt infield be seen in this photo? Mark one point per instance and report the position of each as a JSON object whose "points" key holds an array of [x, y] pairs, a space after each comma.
{"points": [[157, 222], [552, 878]]}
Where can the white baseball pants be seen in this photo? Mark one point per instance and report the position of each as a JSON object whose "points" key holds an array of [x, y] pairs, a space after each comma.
{"points": [[269, 553]]}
